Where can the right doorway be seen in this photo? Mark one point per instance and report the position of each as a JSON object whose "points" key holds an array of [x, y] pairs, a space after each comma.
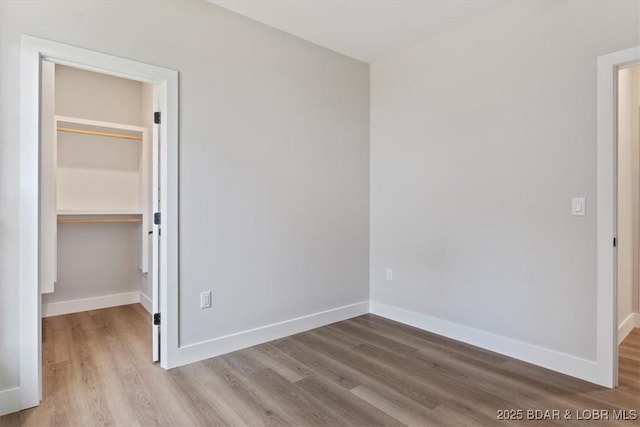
{"points": [[628, 223]]}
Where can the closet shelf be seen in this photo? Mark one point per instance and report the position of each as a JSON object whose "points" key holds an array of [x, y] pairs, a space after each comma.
{"points": [[98, 220], [96, 133], [71, 212], [85, 217], [98, 128]]}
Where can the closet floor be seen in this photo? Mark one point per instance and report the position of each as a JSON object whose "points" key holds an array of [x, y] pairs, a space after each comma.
{"points": [[365, 371]]}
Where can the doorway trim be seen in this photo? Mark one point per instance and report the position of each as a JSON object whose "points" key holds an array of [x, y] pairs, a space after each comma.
{"points": [[34, 50], [607, 295]]}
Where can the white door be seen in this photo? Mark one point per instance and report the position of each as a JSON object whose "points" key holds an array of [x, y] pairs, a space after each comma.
{"points": [[155, 246]]}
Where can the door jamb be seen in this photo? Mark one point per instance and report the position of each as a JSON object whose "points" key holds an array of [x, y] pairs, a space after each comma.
{"points": [[607, 324], [34, 50]]}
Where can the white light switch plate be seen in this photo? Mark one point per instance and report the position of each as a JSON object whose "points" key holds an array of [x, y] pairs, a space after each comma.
{"points": [[578, 206], [205, 299]]}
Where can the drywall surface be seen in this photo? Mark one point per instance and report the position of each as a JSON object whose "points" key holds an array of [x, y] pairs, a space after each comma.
{"points": [[96, 260], [480, 137], [96, 96], [274, 159], [628, 190]]}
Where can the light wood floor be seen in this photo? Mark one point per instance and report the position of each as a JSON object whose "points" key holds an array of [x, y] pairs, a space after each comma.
{"points": [[366, 371]]}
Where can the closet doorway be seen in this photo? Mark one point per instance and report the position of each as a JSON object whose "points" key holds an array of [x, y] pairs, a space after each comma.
{"points": [[99, 193], [628, 216], [39, 198], [608, 237]]}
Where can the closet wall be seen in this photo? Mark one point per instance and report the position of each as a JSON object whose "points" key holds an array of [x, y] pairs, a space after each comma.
{"points": [[95, 96], [99, 260]]}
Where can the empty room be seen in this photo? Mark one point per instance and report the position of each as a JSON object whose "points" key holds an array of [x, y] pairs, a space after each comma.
{"points": [[319, 213]]}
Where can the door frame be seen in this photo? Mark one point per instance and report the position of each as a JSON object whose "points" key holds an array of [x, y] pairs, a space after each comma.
{"points": [[607, 288], [33, 51]]}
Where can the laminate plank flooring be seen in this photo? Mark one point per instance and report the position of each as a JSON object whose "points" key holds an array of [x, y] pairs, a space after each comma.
{"points": [[366, 371]]}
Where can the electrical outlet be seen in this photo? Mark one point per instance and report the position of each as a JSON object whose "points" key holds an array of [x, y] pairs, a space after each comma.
{"points": [[389, 274], [205, 299]]}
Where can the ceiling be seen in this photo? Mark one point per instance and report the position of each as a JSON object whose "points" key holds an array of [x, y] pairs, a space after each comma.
{"points": [[367, 30]]}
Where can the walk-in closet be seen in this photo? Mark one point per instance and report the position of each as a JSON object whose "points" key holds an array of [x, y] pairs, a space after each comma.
{"points": [[95, 191]]}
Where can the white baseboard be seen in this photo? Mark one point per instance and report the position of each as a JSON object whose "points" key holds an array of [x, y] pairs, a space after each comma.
{"points": [[216, 347], [84, 304], [541, 356], [146, 302], [10, 400], [627, 325]]}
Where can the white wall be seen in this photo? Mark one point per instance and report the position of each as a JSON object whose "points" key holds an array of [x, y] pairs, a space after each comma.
{"points": [[96, 96], [628, 190], [274, 159], [480, 137], [96, 260]]}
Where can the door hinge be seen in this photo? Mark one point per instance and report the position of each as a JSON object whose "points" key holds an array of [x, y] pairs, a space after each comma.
{"points": [[156, 319], [615, 242], [156, 117], [156, 218]]}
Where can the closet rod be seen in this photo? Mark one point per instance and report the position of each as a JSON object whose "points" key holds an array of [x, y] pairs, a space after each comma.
{"points": [[97, 220], [91, 132]]}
